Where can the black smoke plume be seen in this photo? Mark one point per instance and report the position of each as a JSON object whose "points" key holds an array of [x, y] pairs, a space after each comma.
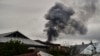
{"points": [[59, 20]]}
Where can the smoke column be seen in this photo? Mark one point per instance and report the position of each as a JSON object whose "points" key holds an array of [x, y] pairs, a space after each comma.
{"points": [[85, 8], [88, 10], [59, 20]]}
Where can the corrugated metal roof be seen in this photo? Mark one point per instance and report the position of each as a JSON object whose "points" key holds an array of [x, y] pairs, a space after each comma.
{"points": [[25, 41], [5, 34]]}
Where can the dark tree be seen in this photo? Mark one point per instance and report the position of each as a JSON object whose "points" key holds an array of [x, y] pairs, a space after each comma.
{"points": [[13, 47]]}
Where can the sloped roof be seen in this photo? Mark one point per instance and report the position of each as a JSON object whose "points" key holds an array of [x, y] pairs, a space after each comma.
{"points": [[11, 33], [26, 40], [82, 47], [47, 43], [5, 34], [88, 49]]}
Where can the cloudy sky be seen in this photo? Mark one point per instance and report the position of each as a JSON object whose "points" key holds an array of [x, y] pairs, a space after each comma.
{"points": [[27, 16]]}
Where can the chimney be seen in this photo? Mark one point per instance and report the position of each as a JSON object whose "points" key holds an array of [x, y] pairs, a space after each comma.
{"points": [[91, 42], [82, 43]]}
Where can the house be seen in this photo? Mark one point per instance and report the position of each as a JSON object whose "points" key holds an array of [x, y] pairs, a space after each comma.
{"points": [[16, 35], [89, 49], [33, 45], [92, 49]]}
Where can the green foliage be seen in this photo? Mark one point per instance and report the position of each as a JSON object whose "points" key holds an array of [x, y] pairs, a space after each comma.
{"points": [[13, 47]]}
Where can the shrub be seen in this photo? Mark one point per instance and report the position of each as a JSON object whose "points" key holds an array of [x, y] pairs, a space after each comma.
{"points": [[13, 47]]}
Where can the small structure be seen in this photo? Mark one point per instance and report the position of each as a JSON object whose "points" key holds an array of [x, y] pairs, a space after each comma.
{"points": [[89, 49]]}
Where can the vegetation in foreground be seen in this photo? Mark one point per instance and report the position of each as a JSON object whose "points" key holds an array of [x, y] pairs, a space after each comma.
{"points": [[13, 47]]}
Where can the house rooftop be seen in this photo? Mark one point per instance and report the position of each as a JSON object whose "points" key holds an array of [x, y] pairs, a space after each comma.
{"points": [[47, 43], [16, 35], [82, 47]]}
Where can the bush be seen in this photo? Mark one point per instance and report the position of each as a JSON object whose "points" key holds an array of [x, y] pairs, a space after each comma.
{"points": [[13, 47]]}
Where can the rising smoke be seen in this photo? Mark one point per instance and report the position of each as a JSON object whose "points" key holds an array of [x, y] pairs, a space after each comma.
{"points": [[88, 10], [59, 20]]}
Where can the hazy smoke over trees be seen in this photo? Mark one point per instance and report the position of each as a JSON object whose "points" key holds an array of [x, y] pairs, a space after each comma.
{"points": [[59, 20]]}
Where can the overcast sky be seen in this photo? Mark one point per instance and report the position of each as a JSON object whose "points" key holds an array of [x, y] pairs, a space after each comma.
{"points": [[27, 16]]}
